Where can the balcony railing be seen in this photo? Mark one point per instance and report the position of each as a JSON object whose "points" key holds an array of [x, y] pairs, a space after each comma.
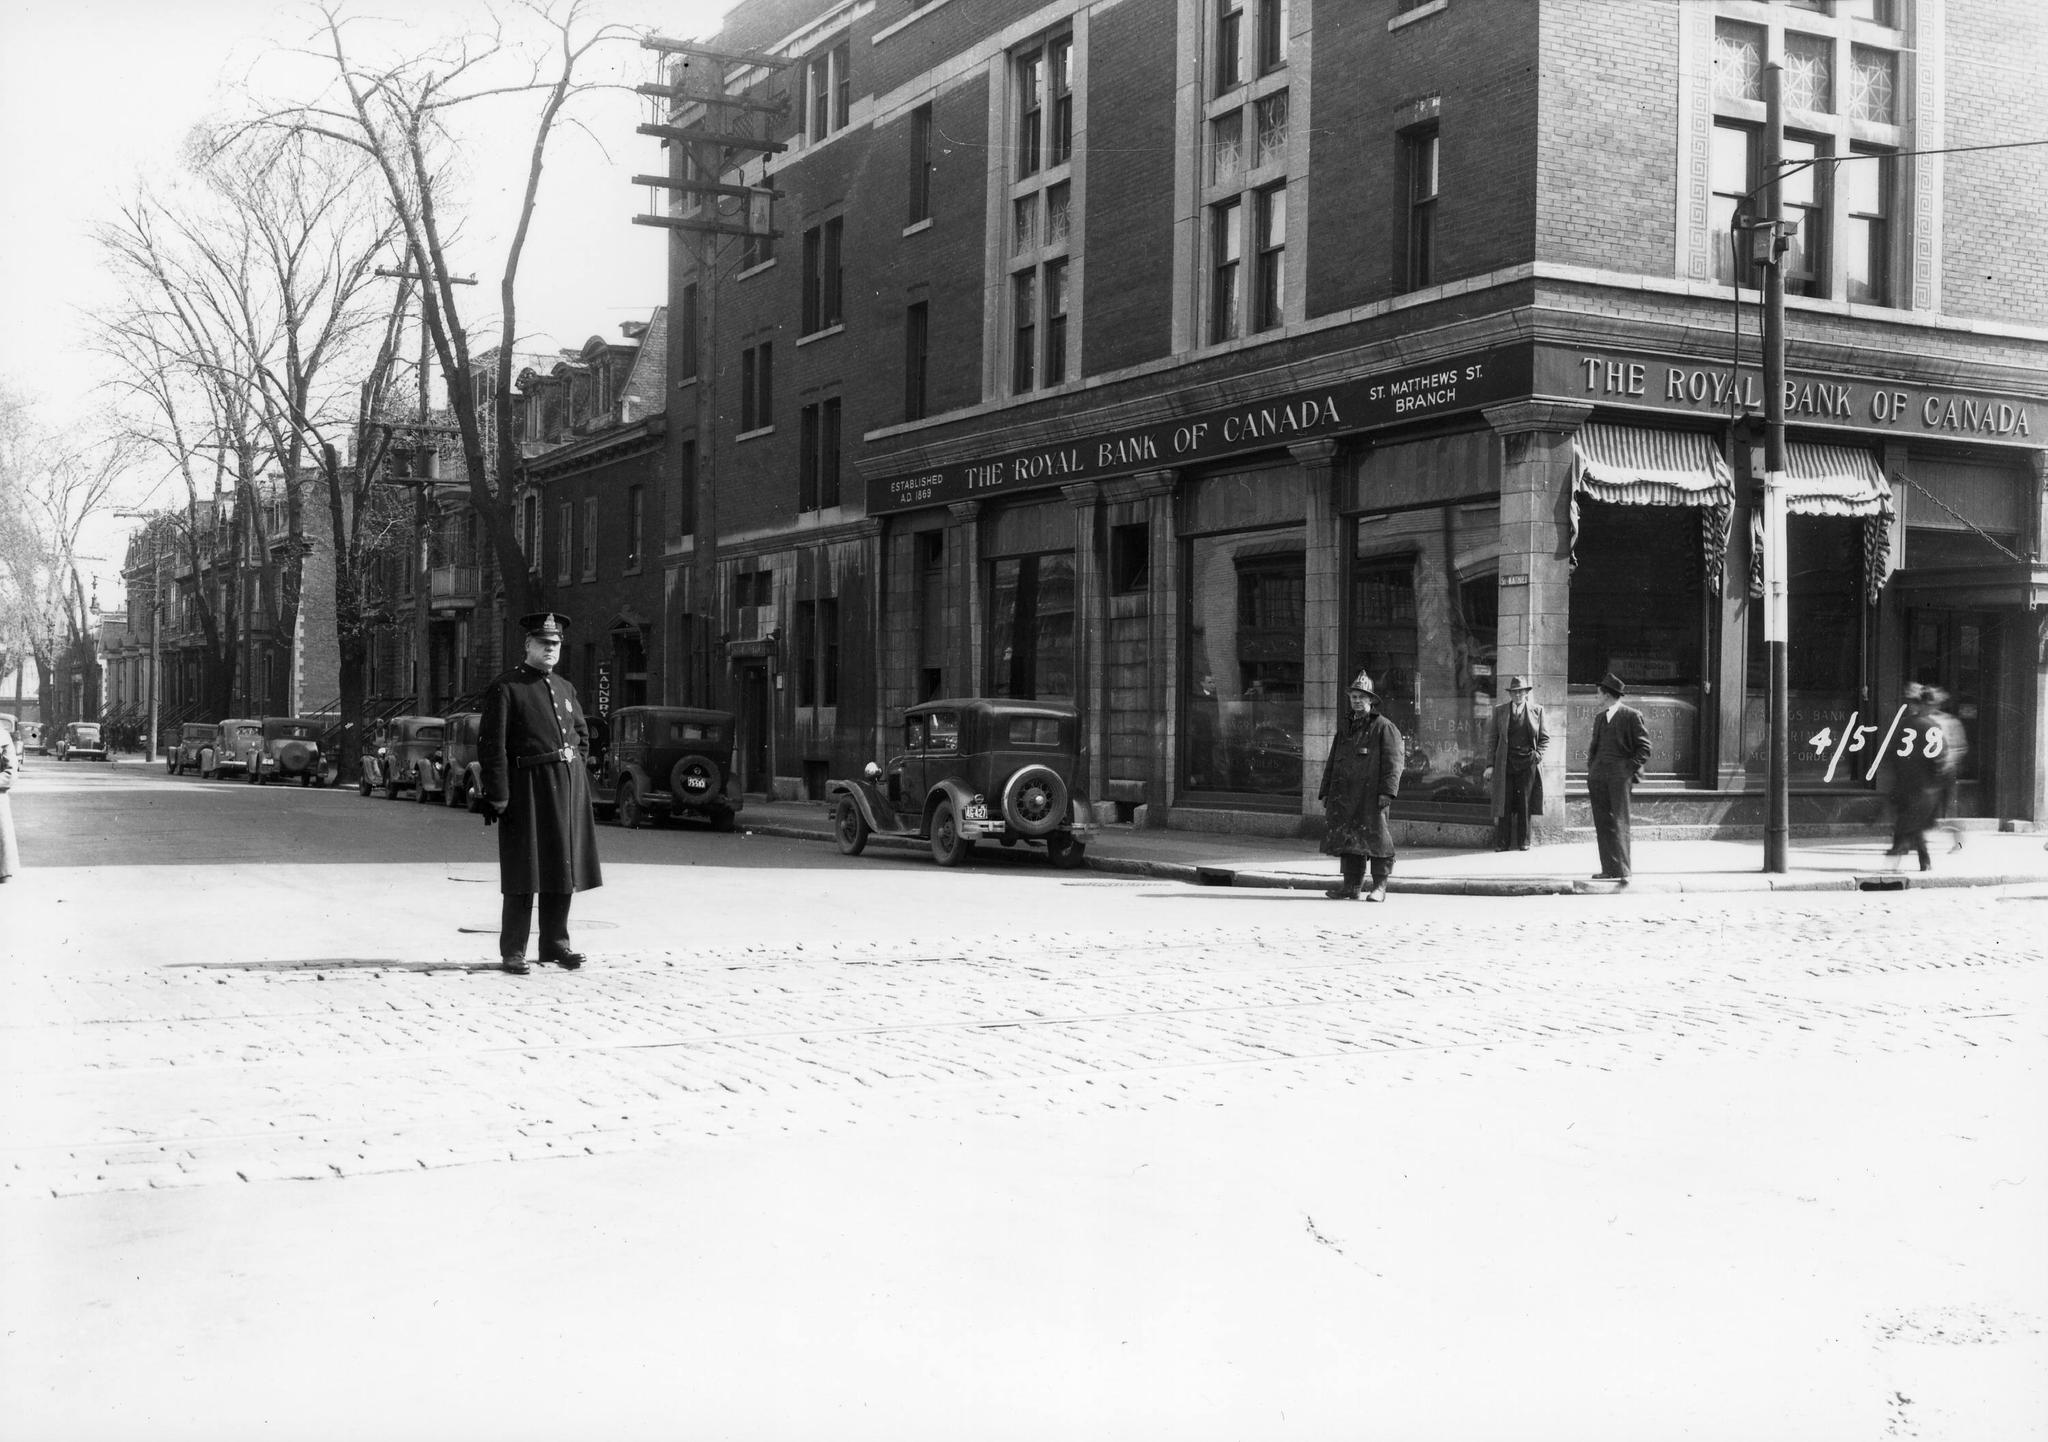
{"points": [[452, 585]]}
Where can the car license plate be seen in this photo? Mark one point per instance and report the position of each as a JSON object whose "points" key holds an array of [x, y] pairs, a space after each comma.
{"points": [[975, 813]]}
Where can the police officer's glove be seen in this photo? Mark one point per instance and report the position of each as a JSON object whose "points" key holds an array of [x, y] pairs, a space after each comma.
{"points": [[490, 814]]}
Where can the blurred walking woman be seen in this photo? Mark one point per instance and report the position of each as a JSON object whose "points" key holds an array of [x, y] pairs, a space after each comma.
{"points": [[10, 767], [1360, 781]]}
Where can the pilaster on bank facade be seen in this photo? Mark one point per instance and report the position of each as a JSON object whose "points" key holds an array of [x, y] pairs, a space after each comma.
{"points": [[1534, 637]]}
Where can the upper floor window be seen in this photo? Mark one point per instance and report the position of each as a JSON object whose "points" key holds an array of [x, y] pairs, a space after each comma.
{"points": [[1045, 105], [1250, 38], [920, 165], [823, 275], [1419, 165], [1246, 144], [686, 487], [828, 92], [687, 329], [757, 386], [635, 520], [1041, 219], [916, 358], [818, 461], [565, 530], [1841, 85], [590, 538]]}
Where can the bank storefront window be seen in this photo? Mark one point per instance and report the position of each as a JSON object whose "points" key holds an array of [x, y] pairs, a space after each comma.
{"points": [[1031, 626], [1824, 567], [1246, 594], [1639, 599], [1424, 616]]}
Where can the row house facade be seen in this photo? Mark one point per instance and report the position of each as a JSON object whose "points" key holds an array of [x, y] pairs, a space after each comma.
{"points": [[1180, 358], [276, 669], [585, 432]]}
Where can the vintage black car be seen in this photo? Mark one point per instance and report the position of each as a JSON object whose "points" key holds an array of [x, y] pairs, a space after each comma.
{"points": [[80, 741], [451, 773], [397, 753], [192, 750], [985, 769], [237, 740], [667, 762], [289, 750]]}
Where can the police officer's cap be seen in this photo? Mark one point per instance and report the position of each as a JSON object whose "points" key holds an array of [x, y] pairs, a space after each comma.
{"points": [[545, 625]]}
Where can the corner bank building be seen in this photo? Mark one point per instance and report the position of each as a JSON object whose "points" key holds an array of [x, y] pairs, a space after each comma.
{"points": [[1182, 358]]}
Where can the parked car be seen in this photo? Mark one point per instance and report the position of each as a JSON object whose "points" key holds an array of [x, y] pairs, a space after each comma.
{"points": [[13, 727], [193, 749], [28, 736], [80, 741], [985, 769], [289, 751], [395, 752], [236, 743], [667, 762], [451, 773]]}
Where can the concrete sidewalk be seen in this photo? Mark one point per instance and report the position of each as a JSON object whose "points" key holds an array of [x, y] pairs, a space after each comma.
{"points": [[1836, 863]]}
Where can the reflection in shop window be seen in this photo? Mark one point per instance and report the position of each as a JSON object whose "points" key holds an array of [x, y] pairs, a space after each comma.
{"points": [[1638, 609], [1424, 614], [1823, 643], [1246, 597], [1031, 626]]}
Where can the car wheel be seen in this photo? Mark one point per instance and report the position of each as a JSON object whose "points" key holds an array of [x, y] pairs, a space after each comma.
{"points": [[451, 794], [1035, 801], [1065, 852], [850, 827], [632, 815], [949, 847]]}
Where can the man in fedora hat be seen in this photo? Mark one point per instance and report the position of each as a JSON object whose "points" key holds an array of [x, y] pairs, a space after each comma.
{"points": [[1361, 778], [1614, 763], [531, 747], [1519, 741]]}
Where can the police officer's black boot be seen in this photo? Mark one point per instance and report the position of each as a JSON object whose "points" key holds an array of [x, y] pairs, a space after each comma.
{"points": [[1353, 870]]}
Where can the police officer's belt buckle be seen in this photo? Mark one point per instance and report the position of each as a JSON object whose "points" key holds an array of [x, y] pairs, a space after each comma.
{"points": [[567, 753]]}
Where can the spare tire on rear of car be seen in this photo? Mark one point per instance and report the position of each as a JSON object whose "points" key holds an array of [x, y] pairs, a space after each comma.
{"points": [[1035, 801], [695, 780]]}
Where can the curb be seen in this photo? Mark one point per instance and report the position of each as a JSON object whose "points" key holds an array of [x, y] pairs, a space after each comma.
{"points": [[1197, 874]]}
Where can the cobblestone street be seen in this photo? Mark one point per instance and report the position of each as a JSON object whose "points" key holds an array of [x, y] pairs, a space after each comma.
{"points": [[1655, 1165]]}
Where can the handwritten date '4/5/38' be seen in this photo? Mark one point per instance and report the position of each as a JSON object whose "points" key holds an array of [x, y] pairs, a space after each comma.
{"points": [[1899, 740]]}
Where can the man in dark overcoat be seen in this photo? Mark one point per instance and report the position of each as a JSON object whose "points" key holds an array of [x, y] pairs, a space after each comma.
{"points": [[1615, 760], [531, 747], [1519, 741], [1360, 781], [1918, 785]]}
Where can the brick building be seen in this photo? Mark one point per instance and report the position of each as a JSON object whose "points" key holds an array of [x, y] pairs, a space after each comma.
{"points": [[1182, 357]]}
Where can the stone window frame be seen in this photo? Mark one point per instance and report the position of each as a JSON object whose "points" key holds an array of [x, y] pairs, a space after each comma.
{"points": [[1032, 179], [1234, 177]]}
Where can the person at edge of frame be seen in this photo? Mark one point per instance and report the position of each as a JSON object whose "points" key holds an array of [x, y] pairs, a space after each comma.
{"points": [[1615, 760], [1955, 745], [1519, 740], [1918, 785], [1361, 778], [10, 767], [532, 746]]}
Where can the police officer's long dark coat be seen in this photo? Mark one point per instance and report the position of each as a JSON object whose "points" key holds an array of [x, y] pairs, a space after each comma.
{"points": [[546, 839], [1366, 759]]}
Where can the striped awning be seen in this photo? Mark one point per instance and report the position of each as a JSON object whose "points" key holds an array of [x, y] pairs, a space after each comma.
{"points": [[1834, 481], [1630, 466]]}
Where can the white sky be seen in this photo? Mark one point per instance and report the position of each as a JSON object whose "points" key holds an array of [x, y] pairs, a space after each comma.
{"points": [[95, 94]]}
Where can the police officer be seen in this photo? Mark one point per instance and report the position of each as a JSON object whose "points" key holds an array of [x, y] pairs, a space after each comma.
{"points": [[531, 748]]}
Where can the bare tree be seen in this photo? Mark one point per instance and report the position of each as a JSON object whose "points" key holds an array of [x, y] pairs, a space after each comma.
{"points": [[247, 295], [398, 113], [51, 488]]}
